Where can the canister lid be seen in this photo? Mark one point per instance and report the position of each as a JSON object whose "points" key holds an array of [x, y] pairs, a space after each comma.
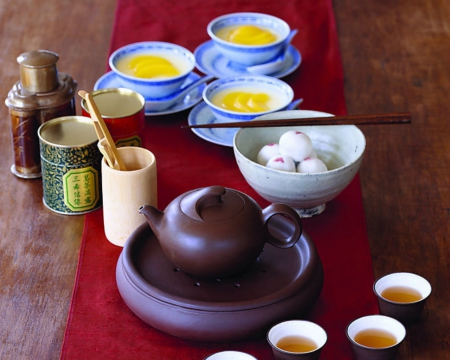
{"points": [[23, 100], [68, 131], [38, 72]]}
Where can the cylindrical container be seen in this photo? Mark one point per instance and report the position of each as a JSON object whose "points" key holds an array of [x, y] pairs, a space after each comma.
{"points": [[70, 165], [124, 192], [124, 113], [40, 95]]}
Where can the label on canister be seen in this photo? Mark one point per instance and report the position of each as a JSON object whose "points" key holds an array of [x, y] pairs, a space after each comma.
{"points": [[71, 163]]}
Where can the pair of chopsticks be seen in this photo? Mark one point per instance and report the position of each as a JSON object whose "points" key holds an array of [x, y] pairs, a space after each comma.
{"points": [[374, 119], [105, 144]]}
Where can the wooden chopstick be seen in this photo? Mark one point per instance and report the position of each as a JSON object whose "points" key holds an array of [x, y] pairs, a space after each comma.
{"points": [[374, 119]]}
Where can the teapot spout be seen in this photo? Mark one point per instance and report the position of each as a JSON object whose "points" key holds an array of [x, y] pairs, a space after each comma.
{"points": [[154, 217]]}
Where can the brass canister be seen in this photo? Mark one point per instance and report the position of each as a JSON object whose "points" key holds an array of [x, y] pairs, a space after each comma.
{"points": [[71, 165], [40, 95]]}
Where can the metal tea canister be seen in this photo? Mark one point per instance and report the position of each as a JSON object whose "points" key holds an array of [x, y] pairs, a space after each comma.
{"points": [[124, 113], [40, 95], [71, 165]]}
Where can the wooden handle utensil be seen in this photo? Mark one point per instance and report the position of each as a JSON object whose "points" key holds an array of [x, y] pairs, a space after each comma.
{"points": [[375, 119], [107, 146]]}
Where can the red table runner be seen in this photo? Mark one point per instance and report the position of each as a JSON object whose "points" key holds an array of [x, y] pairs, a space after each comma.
{"points": [[100, 326]]}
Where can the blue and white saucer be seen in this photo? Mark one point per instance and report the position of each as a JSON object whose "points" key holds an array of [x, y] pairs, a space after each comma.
{"points": [[202, 114], [109, 80], [210, 61]]}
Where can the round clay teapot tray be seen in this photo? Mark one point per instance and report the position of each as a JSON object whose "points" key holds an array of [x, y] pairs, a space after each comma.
{"points": [[281, 284]]}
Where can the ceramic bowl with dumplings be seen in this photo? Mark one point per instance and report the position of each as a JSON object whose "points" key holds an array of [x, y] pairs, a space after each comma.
{"points": [[243, 98], [248, 38], [340, 147], [152, 68]]}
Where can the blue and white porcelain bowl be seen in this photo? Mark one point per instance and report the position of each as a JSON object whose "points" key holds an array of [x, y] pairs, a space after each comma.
{"points": [[154, 88], [275, 88], [249, 54]]}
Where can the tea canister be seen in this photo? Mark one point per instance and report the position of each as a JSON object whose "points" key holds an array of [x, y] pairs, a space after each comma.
{"points": [[123, 111], [71, 165], [40, 95]]}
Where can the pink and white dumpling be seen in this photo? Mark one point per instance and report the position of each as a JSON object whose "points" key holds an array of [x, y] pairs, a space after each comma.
{"points": [[296, 145], [313, 155], [267, 151], [281, 162], [311, 166]]}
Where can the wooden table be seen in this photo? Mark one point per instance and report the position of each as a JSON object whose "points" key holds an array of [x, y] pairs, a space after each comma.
{"points": [[395, 56]]}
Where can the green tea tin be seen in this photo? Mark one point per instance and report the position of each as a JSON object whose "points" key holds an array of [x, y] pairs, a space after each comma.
{"points": [[71, 165]]}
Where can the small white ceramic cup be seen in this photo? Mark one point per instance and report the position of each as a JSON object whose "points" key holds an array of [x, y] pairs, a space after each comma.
{"points": [[402, 309], [297, 328], [376, 323], [230, 355], [124, 192]]}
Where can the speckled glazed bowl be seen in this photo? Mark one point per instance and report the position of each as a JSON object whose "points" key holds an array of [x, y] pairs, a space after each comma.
{"points": [[281, 284], [340, 147]]}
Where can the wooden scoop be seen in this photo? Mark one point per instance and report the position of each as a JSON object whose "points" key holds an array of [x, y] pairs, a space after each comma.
{"points": [[106, 144]]}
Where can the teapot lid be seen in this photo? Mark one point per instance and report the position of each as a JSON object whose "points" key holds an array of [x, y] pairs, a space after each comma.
{"points": [[214, 203]]}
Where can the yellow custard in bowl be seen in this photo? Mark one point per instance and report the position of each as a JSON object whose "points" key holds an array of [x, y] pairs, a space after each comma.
{"points": [[150, 66], [155, 69], [247, 35], [246, 100]]}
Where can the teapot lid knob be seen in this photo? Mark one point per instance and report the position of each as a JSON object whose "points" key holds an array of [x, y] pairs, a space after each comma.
{"points": [[214, 203]]}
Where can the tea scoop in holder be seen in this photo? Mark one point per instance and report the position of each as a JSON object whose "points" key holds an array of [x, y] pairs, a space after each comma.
{"points": [[106, 143]]}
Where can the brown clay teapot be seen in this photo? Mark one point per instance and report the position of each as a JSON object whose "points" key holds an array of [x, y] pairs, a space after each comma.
{"points": [[217, 232]]}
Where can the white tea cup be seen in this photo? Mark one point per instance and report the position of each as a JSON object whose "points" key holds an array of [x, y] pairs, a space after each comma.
{"points": [[297, 339]]}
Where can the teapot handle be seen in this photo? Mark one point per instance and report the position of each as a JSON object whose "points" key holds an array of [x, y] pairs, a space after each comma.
{"points": [[283, 225]]}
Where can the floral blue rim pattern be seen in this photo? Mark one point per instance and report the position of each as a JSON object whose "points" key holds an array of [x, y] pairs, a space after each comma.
{"points": [[250, 18]]}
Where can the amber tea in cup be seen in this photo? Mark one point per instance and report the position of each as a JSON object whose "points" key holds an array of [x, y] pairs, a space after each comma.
{"points": [[296, 339], [296, 343], [402, 295], [375, 337]]}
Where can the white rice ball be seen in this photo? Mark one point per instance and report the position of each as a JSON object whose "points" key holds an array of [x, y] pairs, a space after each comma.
{"points": [[281, 162], [266, 152], [296, 145], [311, 166], [313, 155]]}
